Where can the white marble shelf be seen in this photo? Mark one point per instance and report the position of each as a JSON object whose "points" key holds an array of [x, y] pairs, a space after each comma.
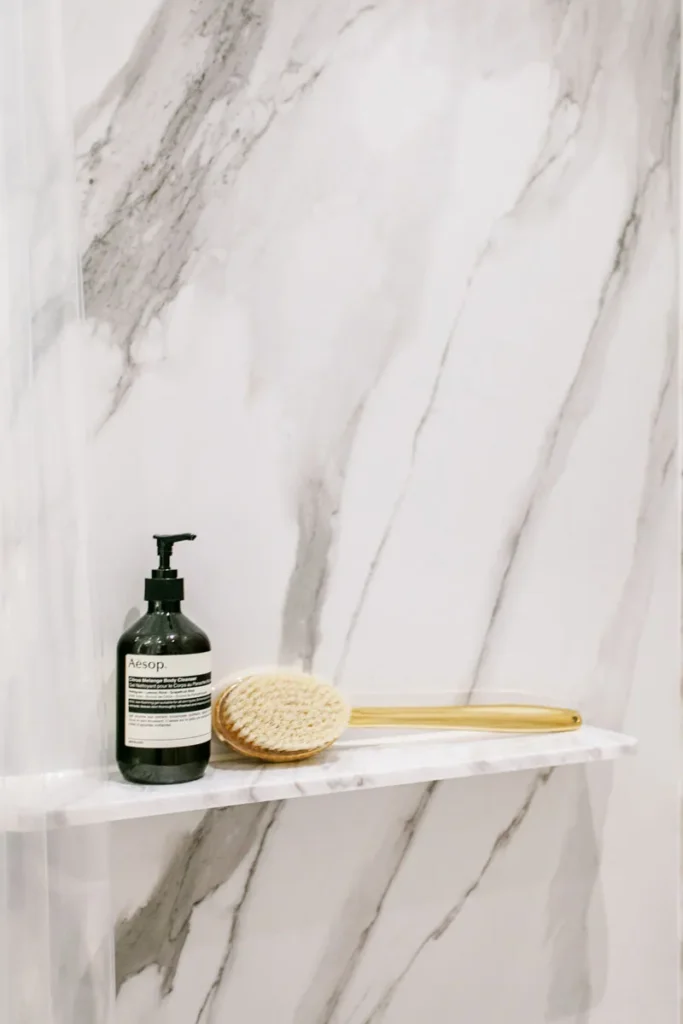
{"points": [[67, 799]]}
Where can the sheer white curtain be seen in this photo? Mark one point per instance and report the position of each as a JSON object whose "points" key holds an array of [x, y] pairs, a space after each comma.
{"points": [[55, 927]]}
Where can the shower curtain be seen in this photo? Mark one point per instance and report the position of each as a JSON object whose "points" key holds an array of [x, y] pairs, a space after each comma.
{"points": [[56, 958]]}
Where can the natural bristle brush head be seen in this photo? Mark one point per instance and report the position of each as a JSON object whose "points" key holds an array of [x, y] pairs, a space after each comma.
{"points": [[280, 716]]}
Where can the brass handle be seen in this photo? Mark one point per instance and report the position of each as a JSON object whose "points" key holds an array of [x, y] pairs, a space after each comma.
{"points": [[490, 718]]}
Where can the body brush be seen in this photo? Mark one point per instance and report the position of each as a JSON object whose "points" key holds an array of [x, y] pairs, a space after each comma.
{"points": [[289, 716]]}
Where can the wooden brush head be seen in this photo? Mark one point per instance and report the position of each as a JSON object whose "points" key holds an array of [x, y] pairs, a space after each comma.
{"points": [[279, 715]]}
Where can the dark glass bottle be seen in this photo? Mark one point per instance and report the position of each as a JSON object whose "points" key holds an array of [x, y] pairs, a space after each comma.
{"points": [[163, 728]]}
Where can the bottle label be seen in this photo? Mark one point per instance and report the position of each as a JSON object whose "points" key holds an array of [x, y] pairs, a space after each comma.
{"points": [[168, 700]]}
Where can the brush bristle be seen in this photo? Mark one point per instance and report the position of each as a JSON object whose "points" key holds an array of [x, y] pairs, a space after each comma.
{"points": [[285, 711]]}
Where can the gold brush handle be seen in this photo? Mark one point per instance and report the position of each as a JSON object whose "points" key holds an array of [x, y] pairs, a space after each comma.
{"points": [[490, 718]]}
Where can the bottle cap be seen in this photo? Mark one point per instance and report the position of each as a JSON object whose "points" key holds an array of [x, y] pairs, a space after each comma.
{"points": [[164, 584]]}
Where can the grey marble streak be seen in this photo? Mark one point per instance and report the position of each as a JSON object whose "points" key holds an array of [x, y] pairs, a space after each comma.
{"points": [[574, 886], [501, 842], [318, 507], [578, 980], [619, 645], [577, 404], [577, 83], [134, 265], [321, 476], [128, 283], [578, 976], [192, 877], [307, 586], [157, 932], [205, 1014], [577, 973], [577, 58], [398, 503], [137, 259], [320, 493], [654, 169], [659, 81], [360, 914]]}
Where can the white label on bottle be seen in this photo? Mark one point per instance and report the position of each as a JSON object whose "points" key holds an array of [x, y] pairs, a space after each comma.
{"points": [[168, 700]]}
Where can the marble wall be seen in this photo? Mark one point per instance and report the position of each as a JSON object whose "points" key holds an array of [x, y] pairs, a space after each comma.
{"points": [[381, 298]]}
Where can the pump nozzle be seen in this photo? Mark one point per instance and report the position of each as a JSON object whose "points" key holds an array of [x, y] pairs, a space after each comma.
{"points": [[164, 585], [165, 542]]}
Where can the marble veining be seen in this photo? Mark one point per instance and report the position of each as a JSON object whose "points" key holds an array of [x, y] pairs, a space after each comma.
{"points": [[253, 74], [198, 868], [379, 1010], [342, 982], [396, 283]]}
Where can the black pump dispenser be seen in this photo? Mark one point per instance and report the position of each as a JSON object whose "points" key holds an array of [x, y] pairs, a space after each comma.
{"points": [[165, 584], [163, 717]]}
